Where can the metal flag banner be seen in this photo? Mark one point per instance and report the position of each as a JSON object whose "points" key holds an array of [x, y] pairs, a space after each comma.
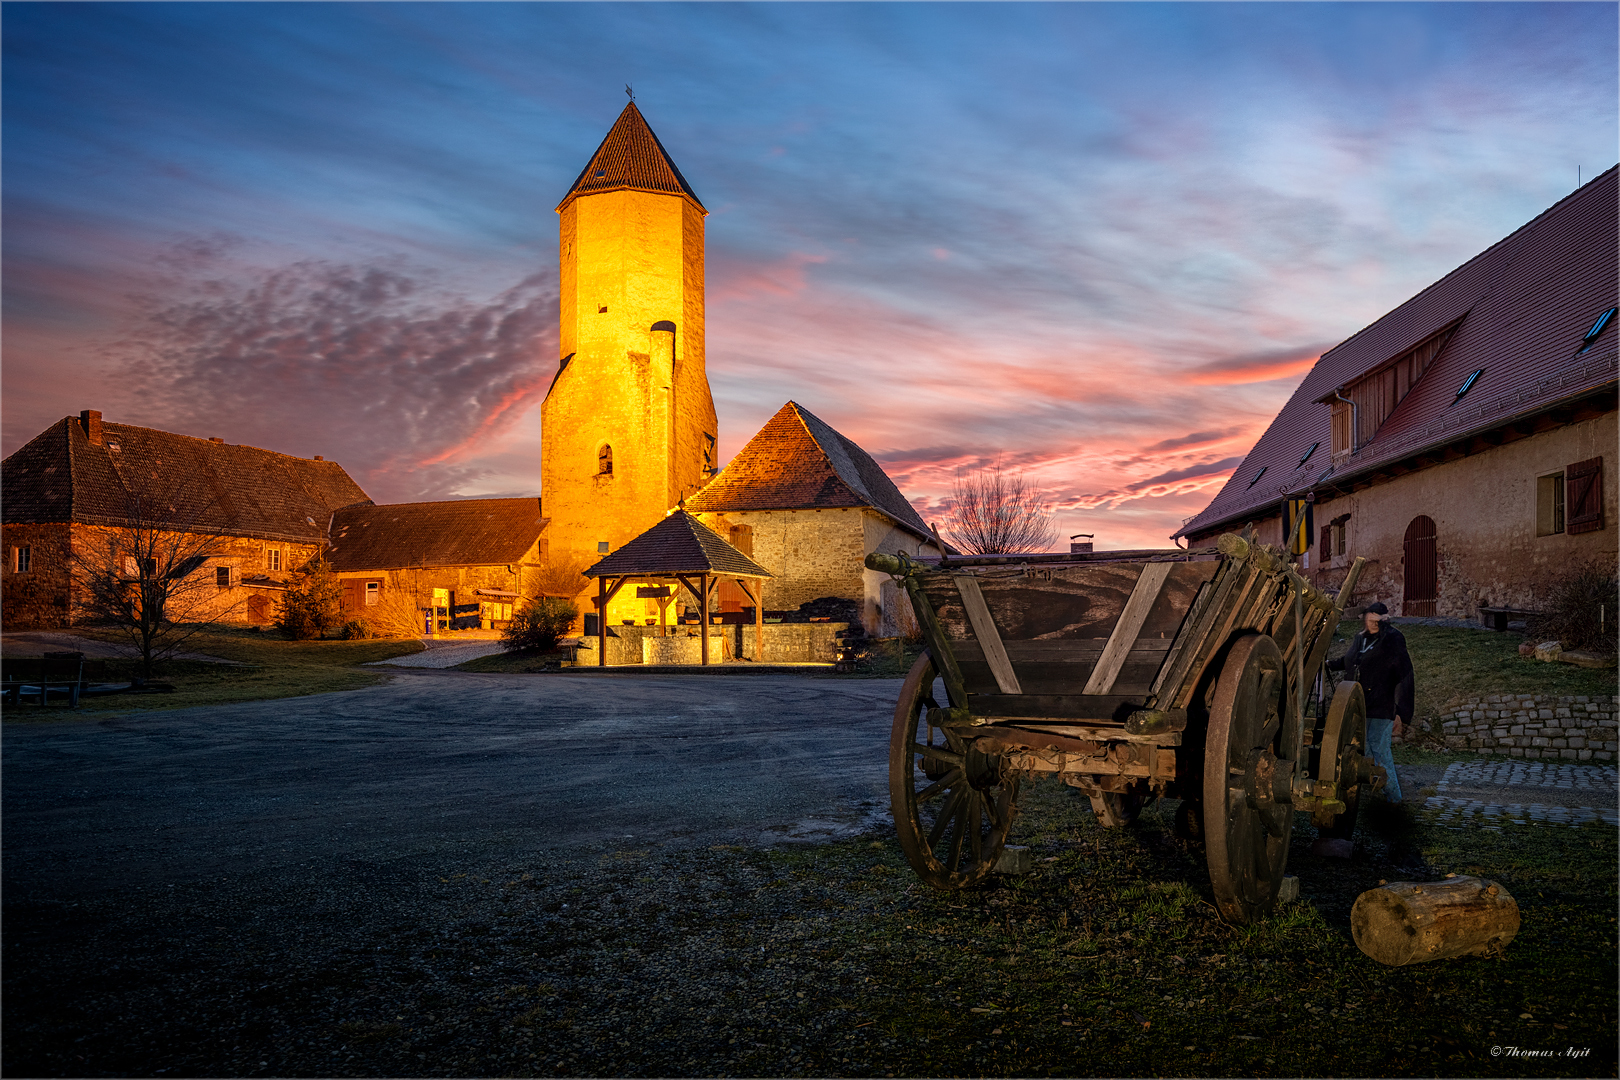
{"points": [[1301, 525]]}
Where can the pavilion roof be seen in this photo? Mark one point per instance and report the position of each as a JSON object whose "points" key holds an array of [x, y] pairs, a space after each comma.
{"points": [[680, 544]]}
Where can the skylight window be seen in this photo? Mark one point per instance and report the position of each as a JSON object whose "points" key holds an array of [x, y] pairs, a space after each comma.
{"points": [[1257, 476], [1468, 384], [1597, 328], [1309, 452]]}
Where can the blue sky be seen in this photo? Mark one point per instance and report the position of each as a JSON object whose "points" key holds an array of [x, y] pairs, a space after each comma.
{"points": [[1100, 242]]}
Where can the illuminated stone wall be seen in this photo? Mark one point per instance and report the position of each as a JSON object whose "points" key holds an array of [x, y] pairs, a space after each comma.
{"points": [[816, 553], [630, 261]]}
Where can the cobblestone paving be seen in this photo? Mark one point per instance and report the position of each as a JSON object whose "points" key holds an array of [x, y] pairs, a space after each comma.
{"points": [[1455, 811]]}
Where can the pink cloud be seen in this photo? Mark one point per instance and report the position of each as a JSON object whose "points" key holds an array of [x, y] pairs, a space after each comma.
{"points": [[1256, 367], [374, 367], [732, 278]]}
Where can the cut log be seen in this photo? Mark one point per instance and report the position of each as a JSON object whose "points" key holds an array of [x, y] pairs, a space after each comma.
{"points": [[1411, 922]]}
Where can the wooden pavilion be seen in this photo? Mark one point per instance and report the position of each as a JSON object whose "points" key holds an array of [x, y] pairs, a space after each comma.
{"points": [[680, 550]]}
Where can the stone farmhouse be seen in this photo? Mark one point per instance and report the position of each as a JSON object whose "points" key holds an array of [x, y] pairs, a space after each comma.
{"points": [[1464, 443], [808, 505], [81, 482], [470, 560]]}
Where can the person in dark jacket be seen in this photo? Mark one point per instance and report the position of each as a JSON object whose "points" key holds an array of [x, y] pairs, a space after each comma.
{"points": [[1378, 660]]}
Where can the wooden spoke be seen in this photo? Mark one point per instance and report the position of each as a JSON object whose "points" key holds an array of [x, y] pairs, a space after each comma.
{"points": [[939, 785], [1246, 828], [954, 841]]}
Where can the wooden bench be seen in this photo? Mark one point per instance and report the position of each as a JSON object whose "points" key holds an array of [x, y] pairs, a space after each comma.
{"points": [[1497, 617], [55, 672]]}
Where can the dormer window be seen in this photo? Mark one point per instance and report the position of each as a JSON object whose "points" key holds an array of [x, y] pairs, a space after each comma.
{"points": [[1361, 407], [604, 461]]}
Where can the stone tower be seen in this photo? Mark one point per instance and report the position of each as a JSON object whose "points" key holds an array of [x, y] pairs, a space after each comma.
{"points": [[628, 427]]}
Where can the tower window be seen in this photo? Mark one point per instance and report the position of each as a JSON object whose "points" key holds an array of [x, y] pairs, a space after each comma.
{"points": [[604, 461], [602, 310]]}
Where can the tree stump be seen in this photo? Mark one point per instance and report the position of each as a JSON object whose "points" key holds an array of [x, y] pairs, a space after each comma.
{"points": [[1411, 922]]}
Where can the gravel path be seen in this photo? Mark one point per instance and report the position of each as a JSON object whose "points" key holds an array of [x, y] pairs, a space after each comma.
{"points": [[442, 654]]}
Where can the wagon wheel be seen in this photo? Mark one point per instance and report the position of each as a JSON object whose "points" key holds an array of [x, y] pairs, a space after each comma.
{"points": [[1341, 744], [1248, 815], [952, 809]]}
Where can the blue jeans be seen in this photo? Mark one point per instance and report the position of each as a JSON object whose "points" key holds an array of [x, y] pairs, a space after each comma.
{"points": [[1378, 736]]}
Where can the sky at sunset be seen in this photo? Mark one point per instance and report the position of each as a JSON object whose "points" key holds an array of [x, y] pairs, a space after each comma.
{"points": [[1100, 243]]}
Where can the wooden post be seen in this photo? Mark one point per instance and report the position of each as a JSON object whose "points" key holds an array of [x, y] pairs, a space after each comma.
{"points": [[759, 620], [703, 617], [601, 621], [1407, 922]]}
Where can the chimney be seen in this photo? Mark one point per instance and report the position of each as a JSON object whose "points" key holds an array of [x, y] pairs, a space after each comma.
{"points": [[215, 439], [1077, 545], [319, 458], [90, 420]]}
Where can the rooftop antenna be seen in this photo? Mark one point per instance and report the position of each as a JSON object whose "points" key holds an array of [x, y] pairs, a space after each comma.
{"points": [[629, 93]]}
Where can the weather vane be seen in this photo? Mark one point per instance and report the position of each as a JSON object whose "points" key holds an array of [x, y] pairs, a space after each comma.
{"points": [[629, 93]]}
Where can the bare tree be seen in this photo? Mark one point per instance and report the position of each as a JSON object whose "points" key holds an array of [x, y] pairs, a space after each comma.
{"points": [[146, 577], [998, 514]]}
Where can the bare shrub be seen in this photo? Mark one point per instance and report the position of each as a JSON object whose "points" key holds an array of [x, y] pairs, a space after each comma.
{"points": [[999, 514], [396, 614], [562, 576], [1579, 609], [539, 624]]}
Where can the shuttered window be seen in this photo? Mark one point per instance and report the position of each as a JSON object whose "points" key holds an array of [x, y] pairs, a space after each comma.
{"points": [[1583, 496]]}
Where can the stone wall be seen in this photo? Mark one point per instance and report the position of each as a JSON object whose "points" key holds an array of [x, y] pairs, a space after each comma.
{"points": [[40, 597], [1568, 727], [1489, 557], [785, 643]]}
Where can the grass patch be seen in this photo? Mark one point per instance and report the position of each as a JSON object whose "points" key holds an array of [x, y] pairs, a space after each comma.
{"points": [[267, 666], [1110, 959], [1451, 664]]}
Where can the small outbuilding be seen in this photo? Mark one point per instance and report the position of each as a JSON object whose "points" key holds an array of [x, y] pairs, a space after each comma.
{"points": [[678, 552]]}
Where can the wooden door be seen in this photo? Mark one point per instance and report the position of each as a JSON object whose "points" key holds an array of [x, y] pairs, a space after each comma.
{"points": [[1422, 569]]}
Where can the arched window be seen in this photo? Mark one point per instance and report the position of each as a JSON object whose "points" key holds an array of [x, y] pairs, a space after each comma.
{"points": [[604, 461]]}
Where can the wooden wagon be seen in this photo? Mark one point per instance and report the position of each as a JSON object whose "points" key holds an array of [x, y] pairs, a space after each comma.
{"points": [[1130, 675]]}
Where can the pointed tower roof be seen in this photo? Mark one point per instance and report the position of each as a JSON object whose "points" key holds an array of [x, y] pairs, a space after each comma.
{"points": [[680, 544], [631, 159], [796, 462]]}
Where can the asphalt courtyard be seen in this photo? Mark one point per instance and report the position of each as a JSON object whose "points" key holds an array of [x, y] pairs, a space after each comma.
{"points": [[434, 762]]}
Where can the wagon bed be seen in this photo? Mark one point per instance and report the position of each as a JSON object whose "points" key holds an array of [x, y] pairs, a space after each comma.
{"points": [[1130, 675]]}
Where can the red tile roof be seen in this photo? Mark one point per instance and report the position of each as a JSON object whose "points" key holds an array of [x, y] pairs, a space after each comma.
{"points": [[464, 532], [680, 544], [796, 462], [1524, 303], [630, 158], [60, 476]]}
